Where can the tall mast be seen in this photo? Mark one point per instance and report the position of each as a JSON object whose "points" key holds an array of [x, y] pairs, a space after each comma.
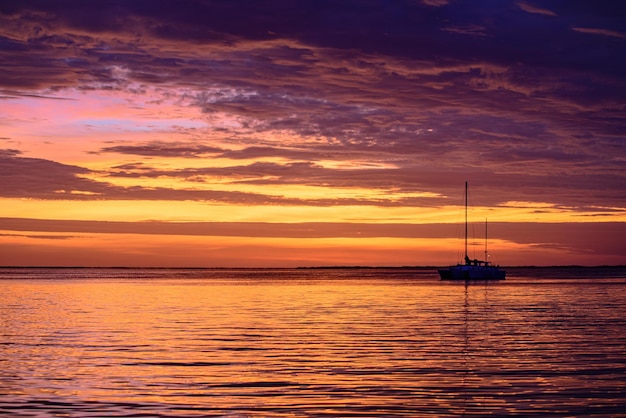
{"points": [[466, 220], [486, 255]]}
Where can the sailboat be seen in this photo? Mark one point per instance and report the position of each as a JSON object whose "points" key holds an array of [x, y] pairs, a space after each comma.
{"points": [[472, 269]]}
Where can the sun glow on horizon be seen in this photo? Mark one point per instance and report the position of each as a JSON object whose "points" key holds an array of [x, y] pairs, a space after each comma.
{"points": [[32, 248]]}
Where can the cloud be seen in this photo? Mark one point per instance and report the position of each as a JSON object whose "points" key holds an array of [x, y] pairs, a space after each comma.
{"points": [[436, 3], [431, 91], [40, 236], [43, 179], [581, 238], [165, 150], [600, 31], [534, 9], [473, 30]]}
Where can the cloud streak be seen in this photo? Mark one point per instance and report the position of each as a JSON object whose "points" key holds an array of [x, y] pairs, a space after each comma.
{"points": [[582, 241]]}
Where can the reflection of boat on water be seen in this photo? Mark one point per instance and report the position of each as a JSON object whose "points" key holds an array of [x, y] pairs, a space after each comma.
{"points": [[472, 269]]}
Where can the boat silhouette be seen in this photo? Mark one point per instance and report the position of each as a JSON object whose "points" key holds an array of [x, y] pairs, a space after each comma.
{"points": [[472, 269]]}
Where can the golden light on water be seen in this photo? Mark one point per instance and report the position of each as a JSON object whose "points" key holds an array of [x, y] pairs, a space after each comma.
{"points": [[282, 341]]}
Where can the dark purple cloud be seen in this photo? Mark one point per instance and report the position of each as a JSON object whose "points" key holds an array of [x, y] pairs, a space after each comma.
{"points": [[43, 179], [22, 177], [542, 186], [523, 97], [157, 149], [511, 33]]}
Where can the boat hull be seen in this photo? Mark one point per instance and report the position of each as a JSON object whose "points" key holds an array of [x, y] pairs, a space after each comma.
{"points": [[468, 272]]}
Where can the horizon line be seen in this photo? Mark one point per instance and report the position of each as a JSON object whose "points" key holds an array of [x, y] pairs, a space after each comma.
{"points": [[303, 267]]}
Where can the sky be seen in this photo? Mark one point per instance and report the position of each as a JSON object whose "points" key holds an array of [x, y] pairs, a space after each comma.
{"points": [[276, 133]]}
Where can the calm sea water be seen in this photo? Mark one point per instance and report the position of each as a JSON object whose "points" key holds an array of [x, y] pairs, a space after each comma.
{"points": [[345, 342]]}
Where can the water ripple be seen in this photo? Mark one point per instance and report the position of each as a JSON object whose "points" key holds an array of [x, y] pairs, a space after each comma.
{"points": [[309, 343]]}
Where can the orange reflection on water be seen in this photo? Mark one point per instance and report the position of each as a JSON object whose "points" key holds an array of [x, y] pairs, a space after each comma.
{"points": [[304, 341]]}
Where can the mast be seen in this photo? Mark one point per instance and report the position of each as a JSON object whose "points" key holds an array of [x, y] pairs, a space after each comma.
{"points": [[466, 257]]}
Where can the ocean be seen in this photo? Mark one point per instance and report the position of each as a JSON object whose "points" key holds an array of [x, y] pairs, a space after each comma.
{"points": [[311, 343]]}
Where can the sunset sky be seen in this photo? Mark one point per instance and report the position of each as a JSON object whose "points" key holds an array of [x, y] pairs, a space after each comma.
{"points": [[274, 133]]}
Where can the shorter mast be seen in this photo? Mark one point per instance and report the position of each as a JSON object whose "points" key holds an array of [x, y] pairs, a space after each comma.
{"points": [[466, 257]]}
